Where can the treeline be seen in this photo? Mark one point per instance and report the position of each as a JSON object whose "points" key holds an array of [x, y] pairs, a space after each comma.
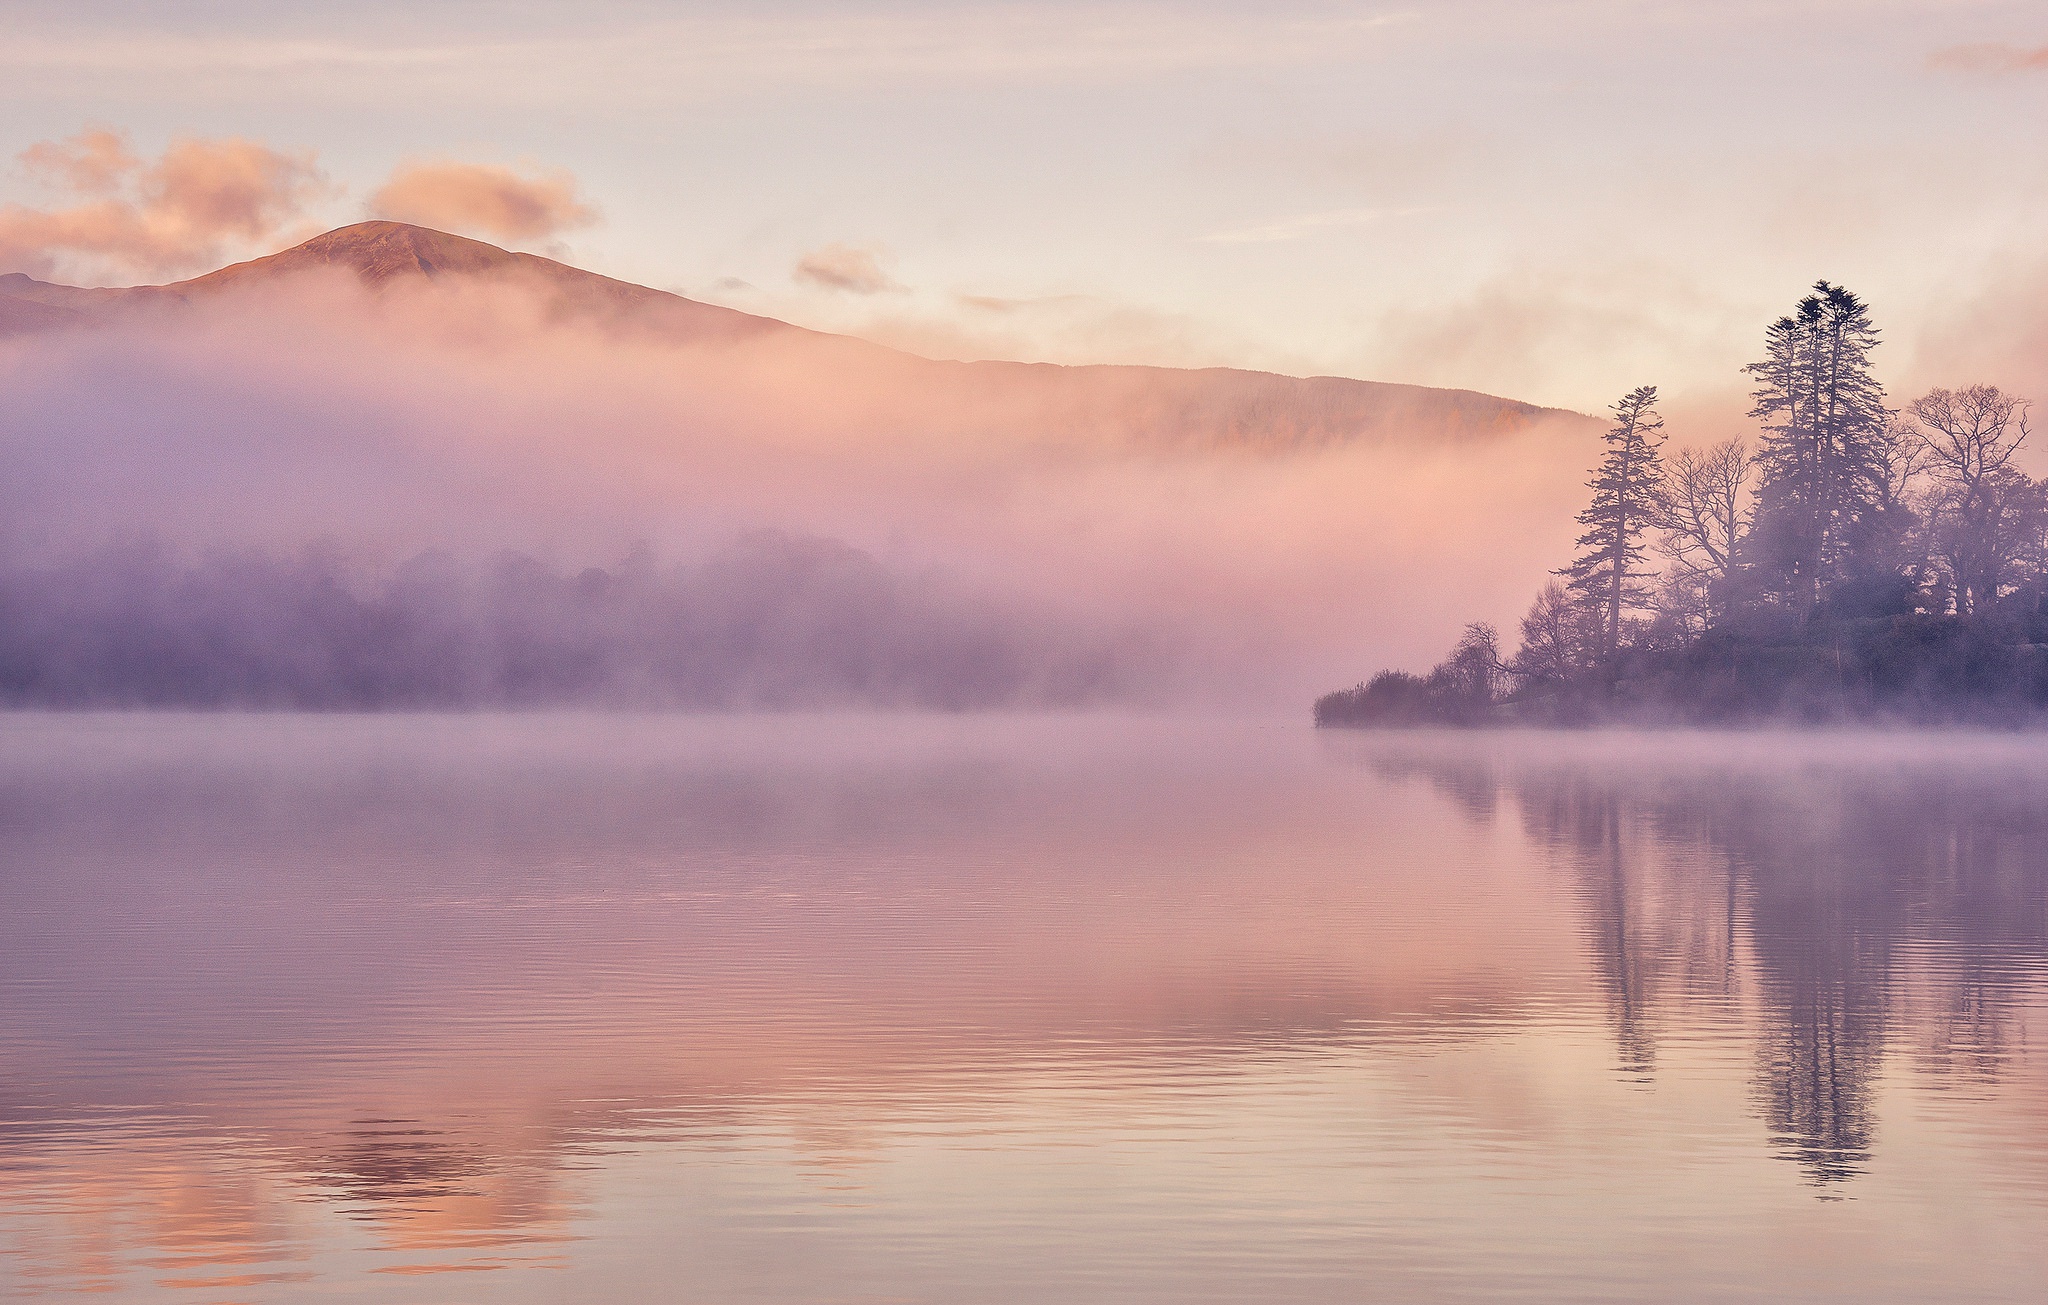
{"points": [[1854, 561], [771, 622]]}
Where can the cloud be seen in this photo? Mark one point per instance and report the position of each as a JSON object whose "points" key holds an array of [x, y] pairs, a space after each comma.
{"points": [[999, 304], [94, 162], [1990, 58], [1550, 331], [482, 200], [179, 214], [1294, 228], [844, 268]]}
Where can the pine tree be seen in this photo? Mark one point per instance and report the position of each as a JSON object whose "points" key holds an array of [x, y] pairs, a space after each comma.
{"points": [[1820, 494], [1627, 498]]}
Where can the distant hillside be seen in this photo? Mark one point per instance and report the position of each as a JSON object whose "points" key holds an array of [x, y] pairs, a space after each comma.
{"points": [[1162, 406]]}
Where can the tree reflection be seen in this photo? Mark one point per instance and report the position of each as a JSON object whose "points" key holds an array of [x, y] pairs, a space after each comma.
{"points": [[1865, 906]]}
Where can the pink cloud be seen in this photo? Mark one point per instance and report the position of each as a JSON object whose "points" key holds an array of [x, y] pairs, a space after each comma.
{"points": [[179, 214], [482, 200], [1989, 58], [94, 162], [844, 268]]}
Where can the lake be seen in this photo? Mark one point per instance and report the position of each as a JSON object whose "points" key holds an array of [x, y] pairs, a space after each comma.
{"points": [[973, 1009]]}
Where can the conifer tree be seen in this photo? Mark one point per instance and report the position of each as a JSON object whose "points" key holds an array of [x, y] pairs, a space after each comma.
{"points": [[1627, 501], [1821, 489]]}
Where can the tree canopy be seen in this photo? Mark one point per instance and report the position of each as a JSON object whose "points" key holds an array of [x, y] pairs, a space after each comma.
{"points": [[1855, 561]]}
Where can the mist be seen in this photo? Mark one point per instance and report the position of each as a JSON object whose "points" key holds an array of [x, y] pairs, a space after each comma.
{"points": [[308, 493]]}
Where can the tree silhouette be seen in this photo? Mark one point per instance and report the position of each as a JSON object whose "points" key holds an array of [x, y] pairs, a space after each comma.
{"points": [[1824, 427], [1981, 508], [1627, 501], [1705, 500], [1559, 639]]}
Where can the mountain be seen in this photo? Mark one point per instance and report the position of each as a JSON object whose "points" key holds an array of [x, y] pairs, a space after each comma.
{"points": [[384, 252], [1157, 406], [23, 313]]}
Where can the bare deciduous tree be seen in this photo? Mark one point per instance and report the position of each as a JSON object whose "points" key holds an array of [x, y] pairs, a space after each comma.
{"points": [[1981, 509], [1474, 669], [1684, 610], [1560, 638], [1898, 458], [1704, 504]]}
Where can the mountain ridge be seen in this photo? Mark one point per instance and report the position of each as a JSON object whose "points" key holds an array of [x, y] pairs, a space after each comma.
{"points": [[1212, 405]]}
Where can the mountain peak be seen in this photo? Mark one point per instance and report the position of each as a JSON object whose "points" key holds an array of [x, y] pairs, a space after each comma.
{"points": [[376, 251], [391, 253]]}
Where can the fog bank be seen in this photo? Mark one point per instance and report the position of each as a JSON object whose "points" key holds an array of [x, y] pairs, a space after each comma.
{"points": [[974, 539]]}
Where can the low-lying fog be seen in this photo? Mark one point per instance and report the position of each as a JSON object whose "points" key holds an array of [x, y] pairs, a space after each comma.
{"points": [[307, 494]]}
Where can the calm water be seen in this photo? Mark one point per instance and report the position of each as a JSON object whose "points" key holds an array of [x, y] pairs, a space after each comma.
{"points": [[968, 1010]]}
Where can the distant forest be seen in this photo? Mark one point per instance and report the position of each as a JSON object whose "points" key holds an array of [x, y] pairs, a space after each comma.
{"points": [[1854, 562], [772, 621]]}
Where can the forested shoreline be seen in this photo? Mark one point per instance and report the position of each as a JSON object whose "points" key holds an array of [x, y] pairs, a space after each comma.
{"points": [[767, 622], [1855, 561]]}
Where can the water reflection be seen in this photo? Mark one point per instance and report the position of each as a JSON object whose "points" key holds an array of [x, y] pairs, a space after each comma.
{"points": [[1006, 1010], [1866, 890]]}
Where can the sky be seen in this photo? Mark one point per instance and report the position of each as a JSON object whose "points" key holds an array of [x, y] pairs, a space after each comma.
{"points": [[1550, 200]]}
